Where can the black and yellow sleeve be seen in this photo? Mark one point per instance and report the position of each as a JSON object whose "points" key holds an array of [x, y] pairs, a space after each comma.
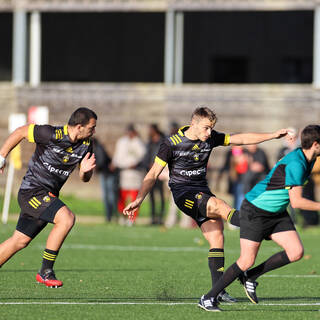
{"points": [[160, 161], [226, 140], [31, 133]]}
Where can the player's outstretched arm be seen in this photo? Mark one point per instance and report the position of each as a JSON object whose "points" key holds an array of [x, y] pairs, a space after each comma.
{"points": [[147, 184], [254, 138], [14, 138], [87, 165], [297, 201]]}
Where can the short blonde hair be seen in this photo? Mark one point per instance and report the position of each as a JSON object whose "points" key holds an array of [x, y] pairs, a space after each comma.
{"points": [[204, 112]]}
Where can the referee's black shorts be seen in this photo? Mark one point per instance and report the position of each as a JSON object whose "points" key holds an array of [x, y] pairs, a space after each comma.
{"points": [[38, 207], [257, 224], [193, 201]]}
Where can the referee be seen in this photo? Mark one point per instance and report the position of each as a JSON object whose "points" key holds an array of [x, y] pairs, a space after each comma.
{"points": [[263, 215], [58, 151]]}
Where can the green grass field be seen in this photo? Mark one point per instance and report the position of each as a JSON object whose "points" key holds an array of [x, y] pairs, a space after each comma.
{"points": [[142, 272], [87, 207]]}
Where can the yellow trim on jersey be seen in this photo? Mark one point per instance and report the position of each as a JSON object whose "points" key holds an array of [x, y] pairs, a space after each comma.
{"points": [[59, 135], [30, 133], [175, 139], [178, 138], [86, 142], [195, 147], [181, 132], [226, 140], [65, 129], [160, 161]]}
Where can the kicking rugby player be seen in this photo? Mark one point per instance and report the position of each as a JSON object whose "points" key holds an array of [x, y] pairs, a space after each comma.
{"points": [[58, 151], [263, 215], [187, 154]]}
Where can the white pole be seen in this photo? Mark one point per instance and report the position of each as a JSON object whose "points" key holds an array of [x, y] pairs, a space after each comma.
{"points": [[169, 48], [7, 194], [178, 70], [19, 47], [316, 48], [35, 49]]}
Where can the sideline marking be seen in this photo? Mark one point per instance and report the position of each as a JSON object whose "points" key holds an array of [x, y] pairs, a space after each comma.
{"points": [[148, 303], [138, 248]]}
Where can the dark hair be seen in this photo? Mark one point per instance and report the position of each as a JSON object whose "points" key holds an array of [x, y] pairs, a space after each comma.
{"points": [[309, 135], [82, 116], [155, 127], [204, 112], [131, 128]]}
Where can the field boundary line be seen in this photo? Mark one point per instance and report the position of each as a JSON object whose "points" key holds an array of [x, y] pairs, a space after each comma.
{"points": [[145, 303]]}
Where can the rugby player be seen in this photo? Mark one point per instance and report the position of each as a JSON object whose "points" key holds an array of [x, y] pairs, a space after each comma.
{"points": [[58, 151], [187, 154], [263, 215]]}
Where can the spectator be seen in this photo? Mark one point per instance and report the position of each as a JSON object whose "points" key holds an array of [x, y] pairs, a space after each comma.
{"points": [[155, 138], [128, 157], [236, 165], [109, 179], [257, 169]]}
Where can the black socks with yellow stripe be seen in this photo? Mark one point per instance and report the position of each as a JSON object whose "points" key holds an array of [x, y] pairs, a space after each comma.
{"points": [[49, 257], [234, 217], [216, 264]]}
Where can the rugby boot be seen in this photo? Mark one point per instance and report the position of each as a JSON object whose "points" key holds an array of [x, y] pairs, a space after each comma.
{"points": [[208, 304], [48, 278], [249, 287], [224, 296]]}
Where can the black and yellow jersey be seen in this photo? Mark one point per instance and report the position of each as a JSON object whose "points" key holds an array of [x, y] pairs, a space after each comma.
{"points": [[188, 159], [54, 159]]}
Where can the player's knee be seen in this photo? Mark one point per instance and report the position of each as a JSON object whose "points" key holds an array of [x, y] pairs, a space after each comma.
{"points": [[245, 263], [212, 206], [21, 243], [70, 221], [296, 255], [67, 221]]}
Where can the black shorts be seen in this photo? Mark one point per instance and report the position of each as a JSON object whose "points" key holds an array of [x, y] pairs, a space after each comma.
{"points": [[257, 224], [192, 201], [38, 207]]}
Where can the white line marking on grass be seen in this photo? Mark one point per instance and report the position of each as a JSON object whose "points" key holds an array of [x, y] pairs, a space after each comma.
{"points": [[147, 303], [292, 276], [140, 248], [134, 248]]}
